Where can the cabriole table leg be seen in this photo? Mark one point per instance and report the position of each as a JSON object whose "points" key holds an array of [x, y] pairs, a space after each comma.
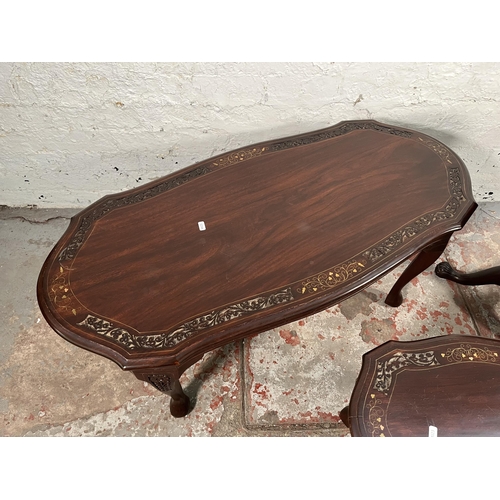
{"points": [[425, 258], [168, 383]]}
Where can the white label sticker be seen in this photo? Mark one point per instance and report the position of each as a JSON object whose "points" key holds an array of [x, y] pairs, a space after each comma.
{"points": [[201, 225], [433, 431]]}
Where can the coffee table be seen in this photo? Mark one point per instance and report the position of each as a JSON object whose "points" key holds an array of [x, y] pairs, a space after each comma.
{"points": [[449, 383], [154, 277]]}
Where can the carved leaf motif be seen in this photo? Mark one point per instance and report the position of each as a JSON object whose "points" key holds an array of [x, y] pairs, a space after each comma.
{"points": [[400, 360], [338, 131], [169, 339], [438, 148], [160, 382], [107, 329]]}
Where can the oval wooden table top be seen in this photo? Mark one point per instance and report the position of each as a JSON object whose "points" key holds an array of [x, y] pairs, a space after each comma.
{"points": [[249, 240], [451, 383]]}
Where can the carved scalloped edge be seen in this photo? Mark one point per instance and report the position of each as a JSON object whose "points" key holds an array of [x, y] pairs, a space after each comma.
{"points": [[338, 131]]}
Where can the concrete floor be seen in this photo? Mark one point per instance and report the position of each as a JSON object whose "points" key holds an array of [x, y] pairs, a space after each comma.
{"points": [[292, 381]]}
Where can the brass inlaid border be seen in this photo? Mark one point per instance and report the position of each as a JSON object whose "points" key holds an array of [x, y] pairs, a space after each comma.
{"points": [[334, 277], [376, 417], [60, 293], [466, 353], [239, 156]]}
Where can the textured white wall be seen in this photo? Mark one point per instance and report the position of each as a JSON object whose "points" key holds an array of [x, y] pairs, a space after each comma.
{"points": [[71, 133]]}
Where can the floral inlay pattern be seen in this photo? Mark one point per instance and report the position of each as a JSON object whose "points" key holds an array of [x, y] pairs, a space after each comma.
{"points": [[333, 277], [60, 292], [376, 417], [238, 156], [467, 353]]}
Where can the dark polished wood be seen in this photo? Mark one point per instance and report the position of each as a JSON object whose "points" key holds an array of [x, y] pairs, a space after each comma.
{"points": [[292, 226], [426, 257], [450, 382], [489, 276], [167, 381]]}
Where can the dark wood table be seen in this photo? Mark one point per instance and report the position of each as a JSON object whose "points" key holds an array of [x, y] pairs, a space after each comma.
{"points": [[451, 383], [241, 243]]}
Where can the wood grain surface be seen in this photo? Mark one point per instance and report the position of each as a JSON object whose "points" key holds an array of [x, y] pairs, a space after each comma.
{"points": [[292, 226], [450, 382]]}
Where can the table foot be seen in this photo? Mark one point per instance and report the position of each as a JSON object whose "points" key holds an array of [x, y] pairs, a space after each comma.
{"points": [[344, 416], [180, 406], [489, 276], [168, 383], [425, 258], [394, 299]]}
